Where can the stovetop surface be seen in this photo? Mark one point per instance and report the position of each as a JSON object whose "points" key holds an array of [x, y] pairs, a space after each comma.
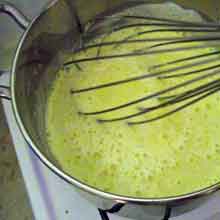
{"points": [[50, 196]]}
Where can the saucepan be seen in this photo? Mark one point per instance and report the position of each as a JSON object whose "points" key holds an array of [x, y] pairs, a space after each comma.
{"points": [[45, 43]]}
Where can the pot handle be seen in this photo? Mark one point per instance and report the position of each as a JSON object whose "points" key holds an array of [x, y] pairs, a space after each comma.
{"points": [[15, 14], [23, 23]]}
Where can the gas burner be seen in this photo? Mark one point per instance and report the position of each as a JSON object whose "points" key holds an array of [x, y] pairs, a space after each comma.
{"points": [[116, 208]]}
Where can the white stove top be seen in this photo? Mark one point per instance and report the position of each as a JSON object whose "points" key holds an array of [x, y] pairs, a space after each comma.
{"points": [[53, 199]]}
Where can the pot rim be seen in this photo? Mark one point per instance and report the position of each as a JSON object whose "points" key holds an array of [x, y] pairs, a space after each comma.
{"points": [[66, 177]]}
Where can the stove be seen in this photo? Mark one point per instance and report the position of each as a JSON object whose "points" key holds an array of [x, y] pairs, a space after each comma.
{"points": [[51, 197]]}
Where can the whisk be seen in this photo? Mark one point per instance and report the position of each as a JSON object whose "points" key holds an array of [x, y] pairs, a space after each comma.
{"points": [[195, 32]]}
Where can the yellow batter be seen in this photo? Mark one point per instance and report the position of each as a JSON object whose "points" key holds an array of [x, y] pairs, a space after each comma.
{"points": [[173, 156]]}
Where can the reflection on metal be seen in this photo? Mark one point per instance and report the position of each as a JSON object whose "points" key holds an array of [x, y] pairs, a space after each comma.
{"points": [[4, 90], [15, 13]]}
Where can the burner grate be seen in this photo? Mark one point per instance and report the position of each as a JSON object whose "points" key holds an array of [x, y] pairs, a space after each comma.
{"points": [[117, 208], [167, 214]]}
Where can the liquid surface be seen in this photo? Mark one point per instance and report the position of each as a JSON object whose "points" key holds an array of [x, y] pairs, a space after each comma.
{"points": [[173, 156]]}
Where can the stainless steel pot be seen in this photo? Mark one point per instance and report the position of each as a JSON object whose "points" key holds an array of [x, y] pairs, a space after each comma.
{"points": [[43, 47]]}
